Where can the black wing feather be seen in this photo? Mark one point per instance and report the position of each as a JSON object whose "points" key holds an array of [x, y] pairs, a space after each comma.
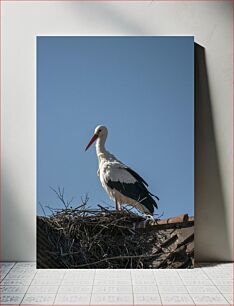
{"points": [[136, 191], [137, 176]]}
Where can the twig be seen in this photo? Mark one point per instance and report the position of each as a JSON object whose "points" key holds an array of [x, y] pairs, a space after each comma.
{"points": [[42, 209], [113, 258]]}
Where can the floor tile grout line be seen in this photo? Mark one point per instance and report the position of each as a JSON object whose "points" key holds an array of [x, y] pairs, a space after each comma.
{"points": [[14, 263], [94, 276], [222, 293], [5, 276], [183, 280], [133, 298], [65, 272], [28, 287], [217, 286], [185, 285], [157, 288]]}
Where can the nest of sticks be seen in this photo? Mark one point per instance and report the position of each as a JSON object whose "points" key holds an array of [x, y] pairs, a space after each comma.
{"points": [[84, 238]]}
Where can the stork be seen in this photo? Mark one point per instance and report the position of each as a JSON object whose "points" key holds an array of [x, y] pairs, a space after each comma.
{"points": [[121, 183]]}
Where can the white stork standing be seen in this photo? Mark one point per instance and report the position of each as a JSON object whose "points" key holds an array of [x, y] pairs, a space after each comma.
{"points": [[122, 184]]}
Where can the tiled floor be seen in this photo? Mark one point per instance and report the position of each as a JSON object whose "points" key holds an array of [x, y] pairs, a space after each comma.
{"points": [[208, 284]]}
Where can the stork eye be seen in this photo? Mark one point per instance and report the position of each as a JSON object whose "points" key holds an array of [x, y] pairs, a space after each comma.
{"points": [[99, 131]]}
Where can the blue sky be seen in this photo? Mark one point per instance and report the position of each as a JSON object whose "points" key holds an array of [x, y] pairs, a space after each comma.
{"points": [[142, 89]]}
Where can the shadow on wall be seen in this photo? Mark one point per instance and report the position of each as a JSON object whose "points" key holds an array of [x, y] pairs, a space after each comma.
{"points": [[211, 228]]}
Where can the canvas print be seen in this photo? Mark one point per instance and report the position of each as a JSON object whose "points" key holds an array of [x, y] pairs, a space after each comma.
{"points": [[115, 152]]}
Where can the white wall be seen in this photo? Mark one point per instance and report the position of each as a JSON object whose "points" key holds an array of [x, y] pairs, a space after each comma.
{"points": [[211, 24]]}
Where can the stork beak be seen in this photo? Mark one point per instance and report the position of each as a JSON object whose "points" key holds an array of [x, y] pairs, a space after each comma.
{"points": [[91, 141]]}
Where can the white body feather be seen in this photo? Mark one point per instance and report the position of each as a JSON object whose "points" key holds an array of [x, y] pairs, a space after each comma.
{"points": [[111, 169]]}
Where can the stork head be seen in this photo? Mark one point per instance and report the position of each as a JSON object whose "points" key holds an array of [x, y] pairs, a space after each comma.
{"points": [[99, 132]]}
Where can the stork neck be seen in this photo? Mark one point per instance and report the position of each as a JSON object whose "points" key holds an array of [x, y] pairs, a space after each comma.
{"points": [[100, 146]]}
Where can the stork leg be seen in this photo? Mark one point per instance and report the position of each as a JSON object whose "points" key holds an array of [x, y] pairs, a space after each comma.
{"points": [[117, 205]]}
